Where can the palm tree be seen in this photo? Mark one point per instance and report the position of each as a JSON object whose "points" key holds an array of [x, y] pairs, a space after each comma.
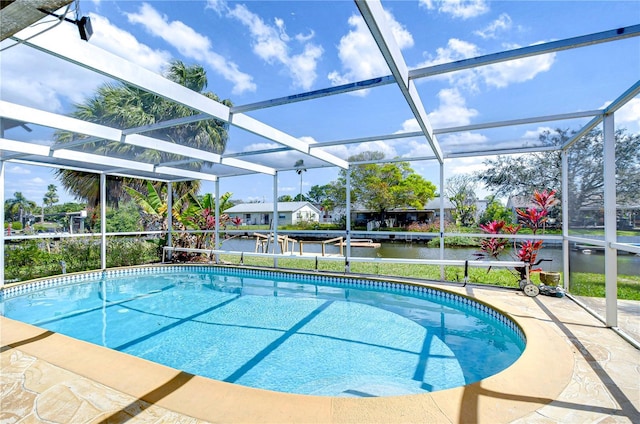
{"points": [[124, 106], [299, 166], [51, 196], [18, 207]]}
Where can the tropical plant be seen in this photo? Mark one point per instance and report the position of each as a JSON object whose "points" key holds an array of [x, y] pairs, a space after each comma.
{"points": [[154, 206], [125, 107], [534, 218], [225, 201], [18, 207], [200, 215], [51, 196]]}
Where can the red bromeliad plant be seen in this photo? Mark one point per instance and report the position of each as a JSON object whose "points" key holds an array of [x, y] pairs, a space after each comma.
{"points": [[236, 221], [534, 218], [493, 247]]}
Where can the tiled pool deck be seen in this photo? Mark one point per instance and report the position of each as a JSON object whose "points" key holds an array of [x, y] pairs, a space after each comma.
{"points": [[574, 370]]}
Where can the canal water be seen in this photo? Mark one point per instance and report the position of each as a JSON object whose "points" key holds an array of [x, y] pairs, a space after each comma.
{"points": [[628, 264]]}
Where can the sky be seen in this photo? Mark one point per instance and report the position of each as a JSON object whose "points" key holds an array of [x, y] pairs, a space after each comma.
{"points": [[254, 51]]}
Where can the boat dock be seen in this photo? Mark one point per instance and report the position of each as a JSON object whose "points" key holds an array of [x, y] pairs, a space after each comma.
{"points": [[362, 243]]}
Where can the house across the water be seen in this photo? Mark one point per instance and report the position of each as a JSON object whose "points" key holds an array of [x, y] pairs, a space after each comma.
{"points": [[289, 213], [401, 217]]}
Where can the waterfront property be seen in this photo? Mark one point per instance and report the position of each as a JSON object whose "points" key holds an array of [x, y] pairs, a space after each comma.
{"points": [[574, 369], [442, 103], [289, 213], [252, 326]]}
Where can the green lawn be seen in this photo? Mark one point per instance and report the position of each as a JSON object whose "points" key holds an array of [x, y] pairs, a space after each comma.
{"points": [[592, 285], [582, 284], [29, 259]]}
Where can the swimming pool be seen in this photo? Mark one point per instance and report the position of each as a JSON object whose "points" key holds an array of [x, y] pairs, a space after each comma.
{"points": [[308, 334]]}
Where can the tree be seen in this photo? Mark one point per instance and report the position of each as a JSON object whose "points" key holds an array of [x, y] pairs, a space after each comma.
{"points": [[225, 201], [18, 207], [154, 206], [285, 198], [460, 190], [299, 166], [318, 193], [125, 106], [521, 174], [124, 219], [51, 196], [209, 199], [381, 187], [495, 211], [322, 195]]}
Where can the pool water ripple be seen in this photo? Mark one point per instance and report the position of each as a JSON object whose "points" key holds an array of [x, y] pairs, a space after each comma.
{"points": [[282, 332]]}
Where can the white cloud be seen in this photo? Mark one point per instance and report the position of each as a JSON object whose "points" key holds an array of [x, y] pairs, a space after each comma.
{"points": [[346, 151], [359, 53], [373, 146], [30, 181], [503, 23], [418, 148], [452, 111], [280, 159], [272, 44], [515, 71], [497, 75], [112, 39], [23, 81], [463, 139], [456, 49], [463, 9], [260, 146], [191, 44], [410, 125], [18, 170], [463, 166], [628, 116], [218, 6], [413, 147], [175, 33], [534, 135]]}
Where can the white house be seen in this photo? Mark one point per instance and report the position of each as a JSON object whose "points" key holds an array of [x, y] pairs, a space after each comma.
{"points": [[289, 213]]}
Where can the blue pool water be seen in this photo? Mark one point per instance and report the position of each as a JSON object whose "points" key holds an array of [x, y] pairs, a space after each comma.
{"points": [[284, 332]]}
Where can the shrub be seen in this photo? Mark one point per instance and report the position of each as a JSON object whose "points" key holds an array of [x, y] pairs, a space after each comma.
{"points": [[31, 259]]}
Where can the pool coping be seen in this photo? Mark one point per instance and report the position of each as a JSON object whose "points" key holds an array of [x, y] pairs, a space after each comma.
{"points": [[513, 393]]}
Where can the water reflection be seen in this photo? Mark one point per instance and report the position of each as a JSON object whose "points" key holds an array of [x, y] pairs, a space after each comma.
{"points": [[628, 264]]}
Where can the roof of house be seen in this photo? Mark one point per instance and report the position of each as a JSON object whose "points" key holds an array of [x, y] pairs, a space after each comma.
{"points": [[268, 207], [519, 202], [435, 204], [431, 205]]}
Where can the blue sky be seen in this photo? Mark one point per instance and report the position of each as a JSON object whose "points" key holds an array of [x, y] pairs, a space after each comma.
{"points": [[259, 50]]}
